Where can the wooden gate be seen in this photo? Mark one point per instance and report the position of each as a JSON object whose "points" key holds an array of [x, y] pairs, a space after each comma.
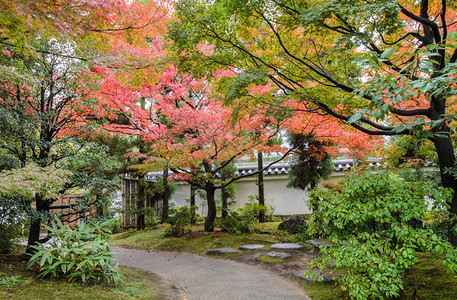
{"points": [[130, 189]]}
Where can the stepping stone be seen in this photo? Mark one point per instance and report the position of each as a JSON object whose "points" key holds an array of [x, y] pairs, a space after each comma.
{"points": [[221, 251], [287, 246], [318, 242], [251, 247], [324, 275], [275, 254]]}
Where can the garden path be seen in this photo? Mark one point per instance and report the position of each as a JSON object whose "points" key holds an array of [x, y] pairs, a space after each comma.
{"points": [[207, 278]]}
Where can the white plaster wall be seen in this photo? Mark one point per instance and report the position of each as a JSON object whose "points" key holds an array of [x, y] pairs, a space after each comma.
{"points": [[285, 201]]}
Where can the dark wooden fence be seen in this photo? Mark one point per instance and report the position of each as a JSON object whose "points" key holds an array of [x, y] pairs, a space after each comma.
{"points": [[130, 195]]}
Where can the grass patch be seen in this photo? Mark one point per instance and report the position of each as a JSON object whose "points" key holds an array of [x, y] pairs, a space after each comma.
{"points": [[18, 283], [197, 241]]}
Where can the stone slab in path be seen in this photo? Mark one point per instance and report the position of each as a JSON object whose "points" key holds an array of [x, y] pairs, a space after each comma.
{"points": [[318, 242], [251, 247], [324, 275], [275, 254], [221, 251], [286, 246]]}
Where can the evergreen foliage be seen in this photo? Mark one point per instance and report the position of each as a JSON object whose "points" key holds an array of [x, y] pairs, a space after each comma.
{"points": [[312, 163]]}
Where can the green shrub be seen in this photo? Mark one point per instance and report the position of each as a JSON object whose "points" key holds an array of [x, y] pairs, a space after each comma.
{"points": [[236, 222], [252, 210], [179, 218], [369, 227], [80, 254], [12, 217]]}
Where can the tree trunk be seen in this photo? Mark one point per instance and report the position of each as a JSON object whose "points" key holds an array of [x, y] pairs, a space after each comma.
{"points": [[4, 243], [42, 206], [193, 190], [209, 220], [166, 195], [446, 159], [313, 185], [261, 186], [140, 225], [224, 197]]}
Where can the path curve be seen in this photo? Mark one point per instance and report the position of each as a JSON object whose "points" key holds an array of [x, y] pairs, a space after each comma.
{"points": [[205, 278]]}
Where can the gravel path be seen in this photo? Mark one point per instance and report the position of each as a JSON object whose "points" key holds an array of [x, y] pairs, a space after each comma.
{"points": [[206, 278]]}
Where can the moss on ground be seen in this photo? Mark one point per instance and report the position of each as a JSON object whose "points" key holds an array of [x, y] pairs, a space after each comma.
{"points": [[197, 241], [433, 280], [138, 285], [268, 259]]}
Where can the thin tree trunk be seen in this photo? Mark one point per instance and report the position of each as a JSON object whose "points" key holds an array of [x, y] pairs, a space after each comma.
{"points": [[193, 190], [166, 196], [224, 197], [261, 186], [140, 224], [311, 188]]}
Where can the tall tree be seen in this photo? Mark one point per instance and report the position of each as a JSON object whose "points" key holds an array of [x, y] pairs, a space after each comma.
{"points": [[188, 128], [227, 193], [45, 51], [37, 116], [403, 82]]}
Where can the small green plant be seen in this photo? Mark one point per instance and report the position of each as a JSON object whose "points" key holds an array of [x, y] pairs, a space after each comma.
{"points": [[80, 254], [371, 233], [152, 222], [11, 281], [236, 222], [113, 225], [180, 218], [252, 210]]}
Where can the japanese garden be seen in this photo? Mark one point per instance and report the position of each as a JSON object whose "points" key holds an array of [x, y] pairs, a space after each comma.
{"points": [[195, 149]]}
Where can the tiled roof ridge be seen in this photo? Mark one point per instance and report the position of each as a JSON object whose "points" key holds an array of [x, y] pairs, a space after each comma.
{"points": [[282, 168]]}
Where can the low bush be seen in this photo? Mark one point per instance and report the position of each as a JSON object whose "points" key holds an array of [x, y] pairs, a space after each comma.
{"points": [[79, 254], [236, 222], [180, 218], [252, 210]]}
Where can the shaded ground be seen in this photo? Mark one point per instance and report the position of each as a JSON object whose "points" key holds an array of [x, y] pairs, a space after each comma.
{"points": [[208, 278], [138, 285]]}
